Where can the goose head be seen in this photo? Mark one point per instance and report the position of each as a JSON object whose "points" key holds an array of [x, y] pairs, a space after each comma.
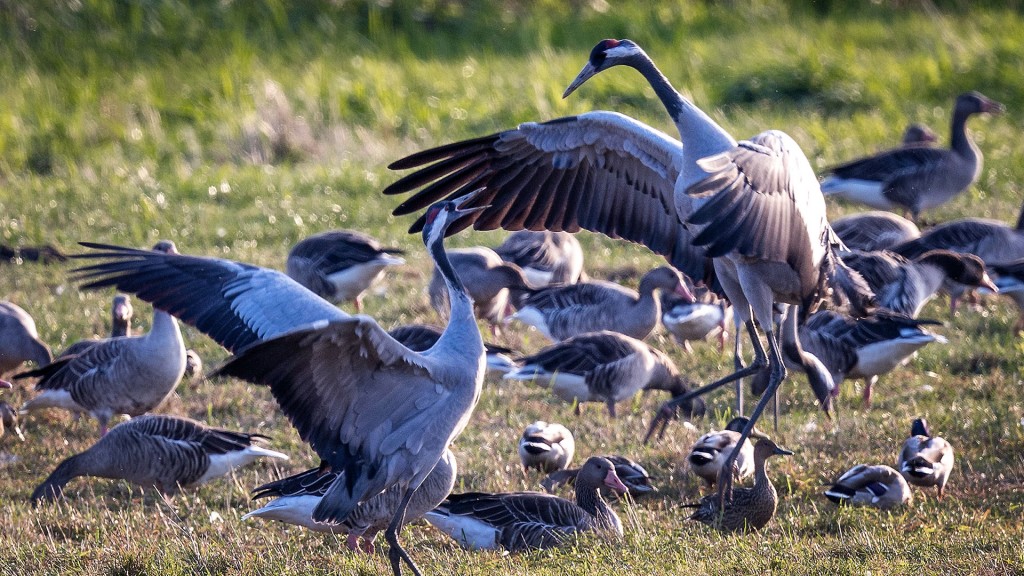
{"points": [[606, 54], [966, 269], [599, 472], [976, 103]]}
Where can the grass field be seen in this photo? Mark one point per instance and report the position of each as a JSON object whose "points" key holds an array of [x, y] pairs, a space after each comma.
{"points": [[236, 129]]}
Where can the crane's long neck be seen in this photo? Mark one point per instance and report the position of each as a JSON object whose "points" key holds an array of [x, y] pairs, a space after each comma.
{"points": [[462, 322]]}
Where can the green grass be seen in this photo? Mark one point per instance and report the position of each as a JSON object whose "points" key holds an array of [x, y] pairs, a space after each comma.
{"points": [[237, 128]]}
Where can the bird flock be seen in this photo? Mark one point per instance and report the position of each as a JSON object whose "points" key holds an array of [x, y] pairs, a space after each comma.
{"points": [[750, 253]]}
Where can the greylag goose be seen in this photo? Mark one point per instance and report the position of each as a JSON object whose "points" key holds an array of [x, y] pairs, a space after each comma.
{"points": [[633, 476], [129, 375], [750, 508], [875, 230], [370, 407], [120, 325], [296, 496], [420, 337], [918, 134], [709, 452], [9, 417], [603, 367], [488, 279], [706, 315], [546, 258], [167, 452], [339, 265], [561, 312], [546, 446], [19, 340], [519, 521], [916, 178], [925, 460], [879, 486], [608, 173]]}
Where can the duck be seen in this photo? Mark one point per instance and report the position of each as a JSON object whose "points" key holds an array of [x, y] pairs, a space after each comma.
{"points": [[339, 265], [562, 312], [521, 521], [420, 337], [751, 508], [705, 316], [874, 230], [546, 446], [547, 258], [296, 496], [489, 280], [916, 178], [9, 418], [633, 475], [167, 452], [878, 486], [925, 460], [19, 339], [709, 452], [604, 367]]}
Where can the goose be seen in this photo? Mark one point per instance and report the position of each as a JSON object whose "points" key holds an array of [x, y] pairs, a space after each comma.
{"points": [[561, 312], [709, 452], [9, 417], [751, 508], [520, 521], [339, 265], [296, 496], [546, 446], [633, 476], [546, 258], [875, 230], [120, 325], [925, 460], [603, 367], [488, 279], [420, 337], [167, 452], [879, 486], [918, 134], [916, 178], [707, 315], [19, 340], [370, 407], [128, 375], [1009, 279], [193, 367], [767, 241]]}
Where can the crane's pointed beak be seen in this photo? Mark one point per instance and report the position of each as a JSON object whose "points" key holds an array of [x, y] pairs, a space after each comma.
{"points": [[780, 451], [462, 204], [588, 71]]}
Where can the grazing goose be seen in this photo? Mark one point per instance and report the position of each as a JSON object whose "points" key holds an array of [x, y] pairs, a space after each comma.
{"points": [[369, 406], [420, 337], [750, 508], [296, 496], [167, 452], [706, 315], [9, 417], [916, 178], [19, 340], [603, 367], [876, 230], [120, 325], [520, 521], [561, 312], [339, 265], [918, 134], [128, 375], [546, 258], [633, 476], [488, 279], [878, 486], [904, 286], [546, 446], [605, 172], [710, 451], [925, 460]]}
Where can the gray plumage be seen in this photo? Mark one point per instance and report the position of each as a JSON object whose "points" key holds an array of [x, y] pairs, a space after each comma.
{"points": [[167, 452], [633, 476], [708, 453], [19, 340], [925, 460], [878, 486], [546, 446], [707, 314], [420, 337], [120, 325], [876, 230], [918, 134], [487, 278], [546, 258]]}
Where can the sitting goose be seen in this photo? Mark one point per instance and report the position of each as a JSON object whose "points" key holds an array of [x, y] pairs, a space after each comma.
{"points": [[9, 417], [546, 446], [420, 337], [916, 178], [488, 279], [339, 265], [925, 460], [296, 496], [167, 452], [710, 451], [750, 508], [632, 474], [603, 367], [128, 375], [547, 258], [706, 315], [519, 521], [19, 340], [875, 230], [120, 325], [879, 486]]}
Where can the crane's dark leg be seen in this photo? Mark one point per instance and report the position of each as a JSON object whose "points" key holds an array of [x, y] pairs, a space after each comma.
{"points": [[395, 551], [737, 363]]}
